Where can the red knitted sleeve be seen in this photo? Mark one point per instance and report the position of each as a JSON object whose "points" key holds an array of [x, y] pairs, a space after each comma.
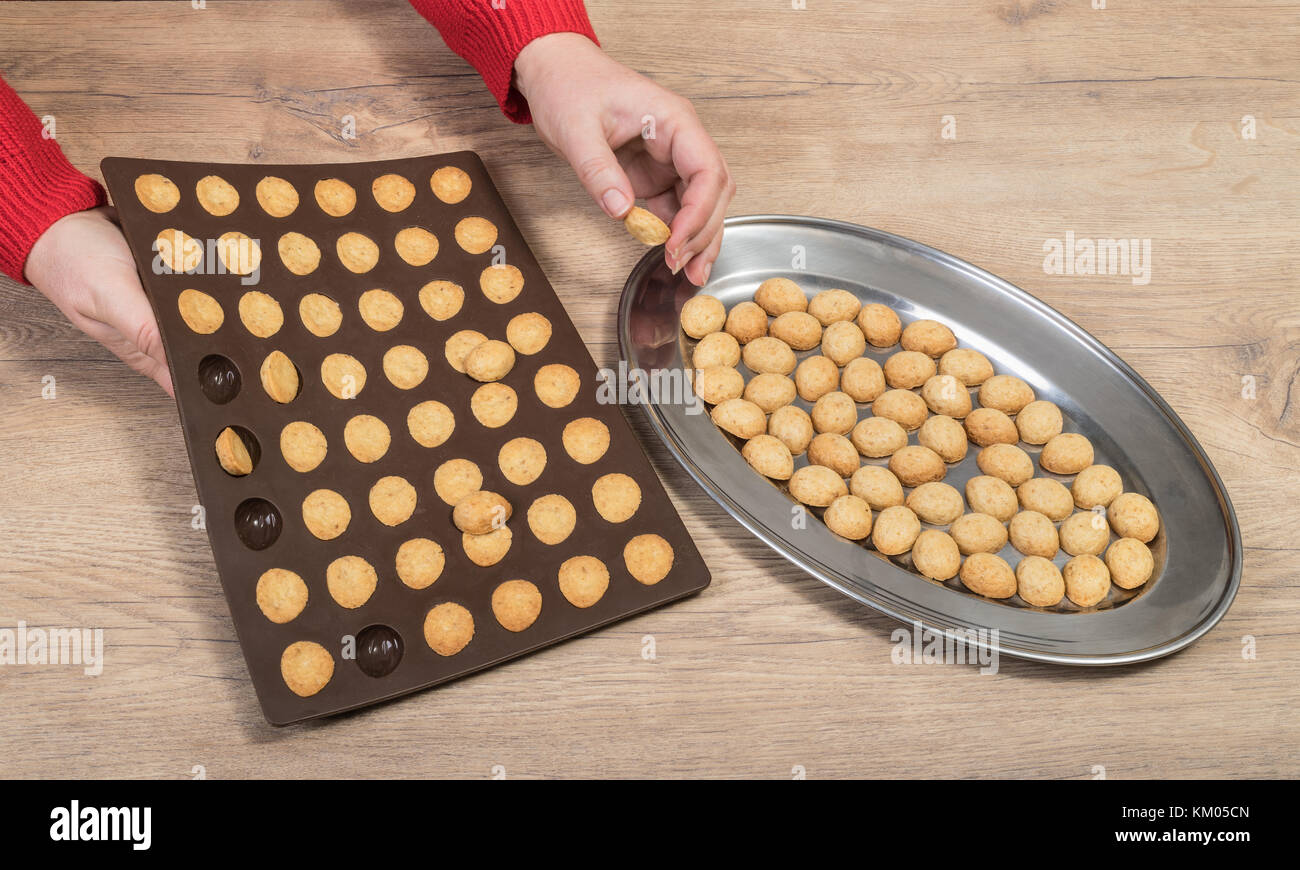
{"points": [[37, 183], [490, 38]]}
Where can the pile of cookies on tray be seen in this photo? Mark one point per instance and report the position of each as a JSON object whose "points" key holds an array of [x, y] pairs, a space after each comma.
{"points": [[867, 444]]}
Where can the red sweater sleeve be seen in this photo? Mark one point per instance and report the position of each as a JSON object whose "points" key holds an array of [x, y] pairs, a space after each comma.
{"points": [[37, 183], [490, 38]]}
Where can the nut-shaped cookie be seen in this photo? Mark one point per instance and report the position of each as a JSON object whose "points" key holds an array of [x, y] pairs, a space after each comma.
{"points": [[930, 337], [834, 412], [716, 349], [988, 575], [766, 354], [1039, 422], [702, 315], [1085, 533], [793, 427], [777, 296], [746, 322], [798, 329], [914, 465], [970, 367], [876, 486], [1087, 580], [879, 324], [878, 437], [1132, 515], [817, 485], [843, 342], [908, 369], [895, 530], [992, 496], [978, 533], [741, 418], [935, 555], [770, 391], [902, 406], [1096, 485], [1067, 453], [1033, 534], [1007, 462], [944, 394], [944, 436], [936, 503], [716, 384], [1005, 393], [987, 426], [1039, 582], [1130, 563], [835, 452], [1049, 497], [849, 517], [490, 361], [862, 380], [480, 512], [832, 306], [815, 377], [769, 456]]}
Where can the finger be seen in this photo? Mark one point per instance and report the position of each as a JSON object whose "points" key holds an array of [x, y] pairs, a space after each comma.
{"points": [[698, 269], [120, 304], [585, 147], [708, 191]]}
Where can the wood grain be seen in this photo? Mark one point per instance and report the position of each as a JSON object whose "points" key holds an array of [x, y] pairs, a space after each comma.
{"points": [[1123, 122]]}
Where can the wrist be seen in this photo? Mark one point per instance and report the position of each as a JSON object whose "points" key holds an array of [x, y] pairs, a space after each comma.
{"points": [[548, 52]]}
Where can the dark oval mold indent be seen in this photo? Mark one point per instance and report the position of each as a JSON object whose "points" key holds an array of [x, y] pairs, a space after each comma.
{"points": [[379, 650], [258, 523], [219, 378]]}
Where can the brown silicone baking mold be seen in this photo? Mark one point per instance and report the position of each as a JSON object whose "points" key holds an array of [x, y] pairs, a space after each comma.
{"points": [[393, 604]]}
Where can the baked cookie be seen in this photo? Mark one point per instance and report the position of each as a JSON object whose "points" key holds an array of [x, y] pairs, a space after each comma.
{"points": [[645, 227], [988, 575], [843, 342], [299, 253], [178, 251], [528, 333], [616, 497], [320, 315], [260, 314], [459, 346], [908, 369], [420, 562], [987, 426], [277, 197], [935, 555], [476, 235], [1049, 497], [430, 423], [494, 405], [380, 309], [1007, 462], [746, 321], [343, 375], [357, 253], [302, 445], [834, 412], [448, 628], [157, 193], [232, 453], [1133, 515], [944, 436], [1067, 453], [522, 460], [279, 377], [770, 391], [716, 349], [335, 197], [970, 367], [486, 550], [876, 486], [793, 427], [862, 380], [930, 337], [585, 439], [648, 558], [306, 667], [1087, 580], [450, 184], [1039, 582], [702, 314], [769, 456], [877, 437], [914, 465], [556, 385], [849, 516], [799, 329], [455, 479], [834, 306], [552, 519], [902, 406], [481, 512], [978, 533], [392, 500], [366, 437], [405, 366], [835, 452], [1096, 485], [442, 300], [491, 360], [777, 296], [895, 530], [1130, 563], [326, 514], [1039, 422], [416, 246], [717, 384], [351, 581], [392, 192], [937, 504], [1005, 393], [501, 283], [944, 394], [516, 604], [1034, 535], [1085, 533], [201, 313], [583, 580], [217, 196], [816, 376], [992, 496], [766, 354], [879, 324], [281, 595], [817, 486]]}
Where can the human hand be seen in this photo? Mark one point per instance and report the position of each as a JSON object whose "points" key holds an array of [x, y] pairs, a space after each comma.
{"points": [[591, 110], [83, 265]]}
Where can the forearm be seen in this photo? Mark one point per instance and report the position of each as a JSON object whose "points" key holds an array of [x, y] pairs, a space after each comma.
{"points": [[37, 183], [490, 39]]}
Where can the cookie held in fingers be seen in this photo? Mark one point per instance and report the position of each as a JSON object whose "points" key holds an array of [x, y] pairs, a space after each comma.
{"points": [[645, 227]]}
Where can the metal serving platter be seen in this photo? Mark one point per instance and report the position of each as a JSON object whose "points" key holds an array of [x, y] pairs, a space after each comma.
{"points": [[1197, 553]]}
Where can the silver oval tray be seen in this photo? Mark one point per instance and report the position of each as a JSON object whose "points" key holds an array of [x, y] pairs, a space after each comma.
{"points": [[1198, 551]]}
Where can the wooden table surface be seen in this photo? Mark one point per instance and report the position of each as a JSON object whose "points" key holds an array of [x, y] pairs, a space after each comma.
{"points": [[1122, 122]]}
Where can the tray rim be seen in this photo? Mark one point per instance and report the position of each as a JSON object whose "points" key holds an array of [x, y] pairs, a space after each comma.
{"points": [[650, 410]]}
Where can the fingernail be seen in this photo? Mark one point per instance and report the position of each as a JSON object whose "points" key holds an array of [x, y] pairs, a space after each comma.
{"points": [[704, 279], [615, 202]]}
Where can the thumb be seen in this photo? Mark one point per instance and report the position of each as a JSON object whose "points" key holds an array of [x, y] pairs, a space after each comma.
{"points": [[122, 305], [587, 151]]}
